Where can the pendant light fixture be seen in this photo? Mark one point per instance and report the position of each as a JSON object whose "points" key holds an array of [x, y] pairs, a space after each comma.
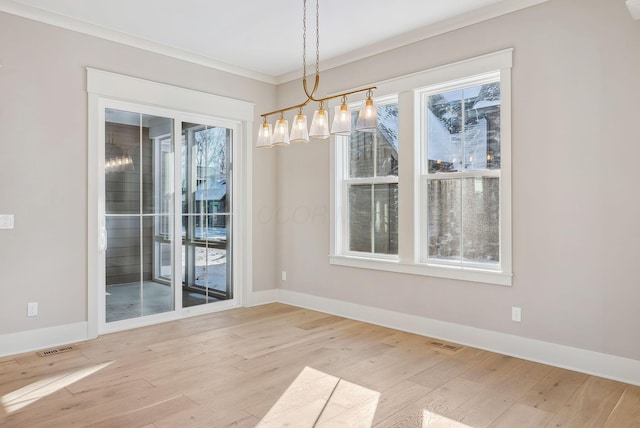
{"points": [[320, 124], [264, 135], [368, 116], [281, 132], [341, 119], [299, 133], [367, 119]]}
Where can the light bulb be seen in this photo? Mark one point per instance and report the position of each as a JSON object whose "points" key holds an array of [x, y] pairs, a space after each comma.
{"points": [[264, 136], [341, 120], [299, 133], [319, 124]]}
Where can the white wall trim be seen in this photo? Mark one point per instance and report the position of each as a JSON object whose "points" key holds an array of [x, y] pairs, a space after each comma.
{"points": [[262, 297], [42, 338], [581, 360], [452, 24]]}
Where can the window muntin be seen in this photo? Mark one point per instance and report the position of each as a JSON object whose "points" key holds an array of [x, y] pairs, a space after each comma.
{"points": [[462, 174], [371, 185]]}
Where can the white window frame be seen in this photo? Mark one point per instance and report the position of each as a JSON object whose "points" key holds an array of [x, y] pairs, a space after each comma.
{"points": [[411, 210]]}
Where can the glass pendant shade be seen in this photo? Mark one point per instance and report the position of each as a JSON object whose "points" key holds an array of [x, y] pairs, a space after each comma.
{"points": [[264, 136], [281, 132], [299, 133], [341, 120], [320, 124], [368, 117]]}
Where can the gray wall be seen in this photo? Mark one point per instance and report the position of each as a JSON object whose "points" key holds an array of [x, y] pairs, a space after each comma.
{"points": [[576, 207], [43, 163]]}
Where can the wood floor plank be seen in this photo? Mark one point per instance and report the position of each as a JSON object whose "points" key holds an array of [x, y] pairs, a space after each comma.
{"points": [[451, 395], [627, 410], [230, 369], [141, 417], [206, 417], [590, 405], [62, 402], [554, 390], [450, 368], [522, 416], [398, 397], [8, 365], [482, 410]]}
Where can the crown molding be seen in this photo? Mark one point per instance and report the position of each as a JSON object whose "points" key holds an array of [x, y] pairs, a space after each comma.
{"points": [[452, 24], [455, 23], [62, 21]]}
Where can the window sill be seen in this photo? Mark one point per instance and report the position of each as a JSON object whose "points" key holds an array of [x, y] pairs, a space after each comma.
{"points": [[462, 274]]}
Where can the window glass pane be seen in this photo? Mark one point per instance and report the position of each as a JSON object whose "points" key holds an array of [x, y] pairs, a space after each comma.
{"points": [[206, 223], [444, 219], [386, 218], [387, 140], [375, 154], [122, 162], [463, 129], [481, 219], [361, 146], [360, 218], [482, 127], [123, 267], [444, 132], [157, 293], [156, 148]]}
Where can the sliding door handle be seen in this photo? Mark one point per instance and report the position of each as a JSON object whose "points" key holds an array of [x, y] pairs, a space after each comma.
{"points": [[102, 240]]}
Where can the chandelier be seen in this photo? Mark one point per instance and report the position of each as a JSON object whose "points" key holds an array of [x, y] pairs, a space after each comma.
{"points": [[279, 135]]}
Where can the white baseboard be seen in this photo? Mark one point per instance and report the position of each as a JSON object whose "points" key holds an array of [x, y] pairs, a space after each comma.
{"points": [[262, 298], [580, 360], [34, 340]]}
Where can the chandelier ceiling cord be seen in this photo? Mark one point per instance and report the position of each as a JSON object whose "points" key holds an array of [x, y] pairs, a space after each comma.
{"points": [[279, 134]]}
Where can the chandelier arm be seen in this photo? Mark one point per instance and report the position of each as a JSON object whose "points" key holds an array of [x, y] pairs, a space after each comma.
{"points": [[344, 94], [304, 104], [315, 87]]}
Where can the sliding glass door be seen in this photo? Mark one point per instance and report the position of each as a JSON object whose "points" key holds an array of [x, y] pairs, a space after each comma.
{"points": [[167, 253], [206, 214]]}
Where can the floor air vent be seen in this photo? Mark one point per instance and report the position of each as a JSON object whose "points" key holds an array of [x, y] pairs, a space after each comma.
{"points": [[443, 346], [55, 351]]}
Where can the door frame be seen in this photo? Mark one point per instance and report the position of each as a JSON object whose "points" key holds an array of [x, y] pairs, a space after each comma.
{"points": [[109, 90]]}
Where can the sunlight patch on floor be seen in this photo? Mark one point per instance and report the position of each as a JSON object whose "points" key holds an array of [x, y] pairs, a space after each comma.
{"points": [[318, 399], [434, 420], [20, 398]]}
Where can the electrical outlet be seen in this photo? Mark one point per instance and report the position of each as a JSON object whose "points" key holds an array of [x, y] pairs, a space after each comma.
{"points": [[516, 314], [6, 221], [32, 309], [284, 275]]}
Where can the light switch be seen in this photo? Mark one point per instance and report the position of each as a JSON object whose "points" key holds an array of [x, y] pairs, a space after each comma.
{"points": [[6, 221]]}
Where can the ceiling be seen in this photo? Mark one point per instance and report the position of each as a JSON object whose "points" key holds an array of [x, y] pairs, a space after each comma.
{"points": [[263, 39]]}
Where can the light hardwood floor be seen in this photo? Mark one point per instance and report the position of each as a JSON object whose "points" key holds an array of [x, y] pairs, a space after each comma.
{"points": [[233, 368]]}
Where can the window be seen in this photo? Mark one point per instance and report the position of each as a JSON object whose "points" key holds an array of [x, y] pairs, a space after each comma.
{"points": [[429, 193], [461, 174], [370, 185]]}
